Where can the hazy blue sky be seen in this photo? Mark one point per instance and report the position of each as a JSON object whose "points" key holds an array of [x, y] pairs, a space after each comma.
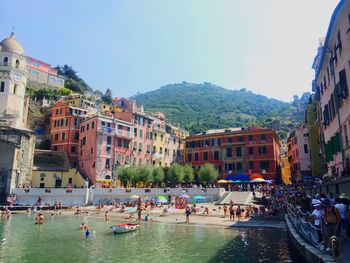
{"points": [[266, 46]]}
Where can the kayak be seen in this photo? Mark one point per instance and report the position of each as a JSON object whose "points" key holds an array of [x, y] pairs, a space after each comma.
{"points": [[124, 228]]}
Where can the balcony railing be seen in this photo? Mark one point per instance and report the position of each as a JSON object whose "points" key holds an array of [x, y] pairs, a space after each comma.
{"points": [[125, 134]]}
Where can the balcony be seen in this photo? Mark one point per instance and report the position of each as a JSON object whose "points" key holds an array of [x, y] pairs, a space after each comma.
{"points": [[124, 134], [105, 130]]}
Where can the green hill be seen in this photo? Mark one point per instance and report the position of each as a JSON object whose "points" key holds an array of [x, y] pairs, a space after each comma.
{"points": [[198, 107]]}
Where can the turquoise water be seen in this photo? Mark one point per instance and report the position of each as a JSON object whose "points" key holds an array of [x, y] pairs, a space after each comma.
{"points": [[61, 240]]}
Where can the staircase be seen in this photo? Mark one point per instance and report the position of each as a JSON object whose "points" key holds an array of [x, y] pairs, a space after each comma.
{"points": [[238, 198]]}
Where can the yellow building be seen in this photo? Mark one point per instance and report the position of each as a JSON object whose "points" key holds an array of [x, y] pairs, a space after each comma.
{"points": [[159, 140], [52, 169], [286, 172]]}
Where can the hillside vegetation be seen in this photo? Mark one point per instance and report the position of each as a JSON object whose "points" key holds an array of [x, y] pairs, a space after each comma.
{"points": [[198, 107]]}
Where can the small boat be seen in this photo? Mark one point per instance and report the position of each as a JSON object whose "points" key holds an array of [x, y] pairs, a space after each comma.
{"points": [[124, 228]]}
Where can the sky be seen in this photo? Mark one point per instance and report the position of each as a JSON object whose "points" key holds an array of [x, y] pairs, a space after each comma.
{"points": [[266, 46]]}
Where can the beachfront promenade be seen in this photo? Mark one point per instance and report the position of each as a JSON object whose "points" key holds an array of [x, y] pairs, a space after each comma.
{"points": [[86, 196]]}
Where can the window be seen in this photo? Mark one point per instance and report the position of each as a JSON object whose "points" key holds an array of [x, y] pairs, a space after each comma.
{"points": [[140, 147], [264, 165], [160, 150], [205, 156], [229, 140], [140, 133], [119, 143], [76, 121], [126, 144], [189, 157], [229, 152], [134, 146], [55, 148], [76, 136], [63, 136], [262, 150], [62, 122], [251, 150], [263, 137], [161, 137], [84, 140], [239, 151], [15, 89], [241, 139], [91, 150], [87, 126], [135, 132], [306, 150], [251, 165], [92, 125], [6, 60], [108, 149], [73, 149], [2, 87], [109, 140], [239, 166], [250, 138], [107, 163], [343, 85], [56, 137], [148, 148], [216, 155], [196, 156]]}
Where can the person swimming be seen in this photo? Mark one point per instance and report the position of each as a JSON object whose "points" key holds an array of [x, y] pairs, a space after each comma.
{"points": [[83, 226], [39, 219], [87, 232]]}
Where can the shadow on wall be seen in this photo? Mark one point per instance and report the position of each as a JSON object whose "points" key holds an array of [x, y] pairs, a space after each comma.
{"points": [[257, 245]]}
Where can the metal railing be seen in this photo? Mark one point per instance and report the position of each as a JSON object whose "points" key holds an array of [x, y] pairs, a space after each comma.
{"points": [[301, 223]]}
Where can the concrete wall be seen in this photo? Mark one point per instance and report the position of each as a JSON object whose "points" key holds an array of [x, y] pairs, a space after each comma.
{"points": [[77, 196], [342, 185]]}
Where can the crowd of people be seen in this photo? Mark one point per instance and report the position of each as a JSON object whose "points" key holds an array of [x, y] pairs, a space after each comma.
{"points": [[328, 214]]}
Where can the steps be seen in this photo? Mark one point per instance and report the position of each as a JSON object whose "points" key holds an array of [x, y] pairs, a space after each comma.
{"points": [[238, 198]]}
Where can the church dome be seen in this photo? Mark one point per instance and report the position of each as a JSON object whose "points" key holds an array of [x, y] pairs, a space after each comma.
{"points": [[10, 44]]}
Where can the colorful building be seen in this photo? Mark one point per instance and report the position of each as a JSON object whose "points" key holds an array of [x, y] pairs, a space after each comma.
{"points": [[104, 145], [299, 155], [236, 150], [332, 74], [314, 139], [52, 169], [42, 73], [142, 138], [65, 121], [285, 170]]}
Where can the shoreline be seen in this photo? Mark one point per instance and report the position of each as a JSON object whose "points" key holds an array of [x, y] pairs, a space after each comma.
{"points": [[174, 217]]}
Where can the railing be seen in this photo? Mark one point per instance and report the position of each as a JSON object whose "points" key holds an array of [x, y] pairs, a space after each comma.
{"points": [[304, 228], [122, 133], [12, 65]]}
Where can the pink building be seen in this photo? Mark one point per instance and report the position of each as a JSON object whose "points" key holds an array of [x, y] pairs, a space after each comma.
{"points": [[332, 76], [299, 153], [142, 136], [105, 143]]}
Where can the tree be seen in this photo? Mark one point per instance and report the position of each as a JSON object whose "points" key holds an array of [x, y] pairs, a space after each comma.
{"points": [[72, 80], [65, 92], [144, 174], [123, 176], [175, 174], [188, 174], [158, 175], [208, 174], [107, 97]]}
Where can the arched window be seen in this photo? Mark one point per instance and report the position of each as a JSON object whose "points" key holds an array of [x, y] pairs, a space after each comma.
{"points": [[2, 86], [6, 60], [17, 63], [15, 89]]}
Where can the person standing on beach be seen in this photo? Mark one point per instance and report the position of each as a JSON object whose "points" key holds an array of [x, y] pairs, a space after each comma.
{"points": [[238, 213], [225, 210], [139, 212], [232, 213], [106, 217], [187, 212]]}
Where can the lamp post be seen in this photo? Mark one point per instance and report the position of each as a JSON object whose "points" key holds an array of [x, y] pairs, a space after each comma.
{"points": [[329, 50]]}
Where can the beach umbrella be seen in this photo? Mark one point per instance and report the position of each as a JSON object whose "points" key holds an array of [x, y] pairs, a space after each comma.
{"points": [[134, 197], [161, 199], [222, 181], [237, 181], [230, 177], [229, 181], [184, 196], [148, 198], [255, 176], [199, 197]]}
